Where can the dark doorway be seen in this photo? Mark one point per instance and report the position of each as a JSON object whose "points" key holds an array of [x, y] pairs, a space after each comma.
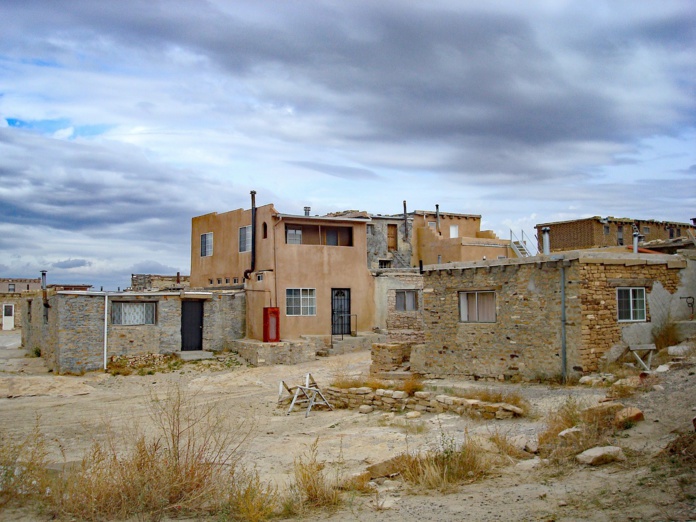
{"points": [[191, 325], [340, 311]]}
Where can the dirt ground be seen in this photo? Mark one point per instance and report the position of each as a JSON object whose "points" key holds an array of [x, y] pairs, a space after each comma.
{"points": [[74, 411]]}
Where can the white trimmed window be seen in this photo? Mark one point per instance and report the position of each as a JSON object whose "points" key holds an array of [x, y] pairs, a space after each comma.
{"points": [[245, 238], [133, 313], [631, 304], [477, 307], [300, 301], [406, 300], [454, 230], [293, 235], [207, 244]]}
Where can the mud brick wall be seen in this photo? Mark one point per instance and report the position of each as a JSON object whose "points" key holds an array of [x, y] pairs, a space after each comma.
{"points": [[598, 283], [389, 356], [423, 401]]}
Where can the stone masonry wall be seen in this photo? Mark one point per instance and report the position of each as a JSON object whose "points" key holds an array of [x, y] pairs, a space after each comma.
{"points": [[389, 356], [525, 339], [598, 283], [80, 340], [406, 326], [224, 320], [423, 401], [37, 333]]}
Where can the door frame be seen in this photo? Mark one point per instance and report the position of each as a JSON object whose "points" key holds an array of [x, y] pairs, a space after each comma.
{"points": [[195, 323], [340, 325], [8, 325]]}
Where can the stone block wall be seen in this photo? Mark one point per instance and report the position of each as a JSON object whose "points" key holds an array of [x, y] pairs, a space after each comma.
{"points": [[224, 320], [389, 356], [423, 401], [40, 327], [258, 353]]}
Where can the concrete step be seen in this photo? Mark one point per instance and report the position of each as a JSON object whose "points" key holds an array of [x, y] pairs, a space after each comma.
{"points": [[195, 355]]}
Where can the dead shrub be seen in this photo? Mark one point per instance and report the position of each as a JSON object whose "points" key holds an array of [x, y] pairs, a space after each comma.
{"points": [[682, 450], [502, 442], [316, 489], [249, 498], [23, 475], [344, 382], [413, 384], [595, 427], [186, 467], [445, 467], [665, 335]]}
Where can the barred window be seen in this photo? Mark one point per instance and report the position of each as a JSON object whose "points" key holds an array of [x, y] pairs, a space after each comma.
{"points": [[133, 313], [300, 301]]}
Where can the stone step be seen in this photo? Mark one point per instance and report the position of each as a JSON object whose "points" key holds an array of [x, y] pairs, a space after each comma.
{"points": [[195, 355]]}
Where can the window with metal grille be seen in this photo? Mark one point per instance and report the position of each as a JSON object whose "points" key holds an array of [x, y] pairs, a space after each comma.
{"points": [[300, 301], [631, 304], [406, 300], [207, 244], [477, 307], [11, 287], [245, 238], [124, 313]]}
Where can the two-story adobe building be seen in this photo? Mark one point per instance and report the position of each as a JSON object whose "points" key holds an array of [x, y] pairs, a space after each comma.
{"points": [[311, 269]]}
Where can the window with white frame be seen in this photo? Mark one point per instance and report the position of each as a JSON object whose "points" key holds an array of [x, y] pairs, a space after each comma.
{"points": [[477, 307], [454, 230], [11, 287], [631, 304], [245, 238], [300, 301], [207, 244], [125, 313], [293, 234], [406, 300]]}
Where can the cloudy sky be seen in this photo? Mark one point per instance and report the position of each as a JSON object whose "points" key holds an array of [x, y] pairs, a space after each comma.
{"points": [[119, 121]]}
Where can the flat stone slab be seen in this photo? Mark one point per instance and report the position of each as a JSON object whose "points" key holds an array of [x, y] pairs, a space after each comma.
{"points": [[195, 355]]}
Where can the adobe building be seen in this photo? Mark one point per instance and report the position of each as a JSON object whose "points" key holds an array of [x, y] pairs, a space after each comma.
{"points": [[311, 269], [546, 315], [598, 232], [12, 291]]}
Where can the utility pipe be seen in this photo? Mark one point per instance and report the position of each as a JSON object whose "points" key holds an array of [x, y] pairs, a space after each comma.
{"points": [[546, 240], [405, 222], [437, 218], [563, 326], [636, 235], [106, 328]]}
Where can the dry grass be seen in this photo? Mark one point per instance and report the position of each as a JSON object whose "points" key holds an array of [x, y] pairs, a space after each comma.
{"points": [[413, 384], [595, 427], [444, 468], [249, 498], [315, 489], [123, 366], [502, 442], [665, 336], [187, 467], [23, 475]]}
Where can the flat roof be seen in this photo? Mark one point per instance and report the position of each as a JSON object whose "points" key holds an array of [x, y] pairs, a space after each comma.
{"points": [[615, 220]]}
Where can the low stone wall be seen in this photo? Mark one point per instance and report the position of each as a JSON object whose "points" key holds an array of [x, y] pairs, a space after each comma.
{"points": [[258, 353], [387, 357], [422, 401]]}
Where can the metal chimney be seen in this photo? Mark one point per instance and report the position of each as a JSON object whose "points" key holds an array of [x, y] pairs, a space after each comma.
{"points": [[307, 210], [43, 280], [437, 218], [636, 235], [546, 238]]}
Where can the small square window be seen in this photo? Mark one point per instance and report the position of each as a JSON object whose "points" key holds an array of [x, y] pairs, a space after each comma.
{"points": [[300, 301], [406, 300], [259, 277], [606, 230], [385, 263], [236, 280], [631, 304], [227, 280], [210, 281], [11, 287], [219, 280], [646, 230]]}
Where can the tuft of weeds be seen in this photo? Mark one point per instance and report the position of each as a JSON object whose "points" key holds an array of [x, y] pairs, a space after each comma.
{"points": [[23, 475], [315, 489], [35, 351], [413, 384], [595, 428], [502, 442], [249, 498], [665, 335], [343, 381], [444, 467]]}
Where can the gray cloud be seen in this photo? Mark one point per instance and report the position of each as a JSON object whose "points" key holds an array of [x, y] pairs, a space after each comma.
{"points": [[336, 170], [71, 263]]}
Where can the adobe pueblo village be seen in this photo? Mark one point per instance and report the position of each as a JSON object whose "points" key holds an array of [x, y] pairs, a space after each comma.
{"points": [[359, 366]]}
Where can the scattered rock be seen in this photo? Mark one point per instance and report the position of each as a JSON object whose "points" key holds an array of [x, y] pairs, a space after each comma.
{"points": [[526, 465], [663, 368], [629, 382], [532, 446], [388, 416], [615, 353], [600, 455], [680, 350], [365, 409], [562, 503], [658, 387], [626, 415], [601, 410], [569, 432], [385, 468], [413, 414]]}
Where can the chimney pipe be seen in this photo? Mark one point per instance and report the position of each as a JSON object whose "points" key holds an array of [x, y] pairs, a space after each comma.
{"points": [[546, 240], [178, 278], [43, 280], [307, 210], [248, 272], [636, 235], [405, 222], [437, 218]]}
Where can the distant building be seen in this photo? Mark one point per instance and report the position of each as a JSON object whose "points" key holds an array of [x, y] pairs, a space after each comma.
{"points": [[158, 283], [12, 290], [598, 232]]}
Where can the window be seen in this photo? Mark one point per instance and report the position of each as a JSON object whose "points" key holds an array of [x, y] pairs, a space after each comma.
{"points": [[477, 307], [265, 230], [219, 280], [631, 304], [432, 224], [293, 235], [370, 230], [619, 235], [207, 244], [133, 313], [227, 280], [236, 280], [245, 238], [606, 230], [406, 300], [11, 287], [331, 236], [210, 281], [385, 263], [29, 311], [646, 230], [454, 230], [300, 301], [259, 277]]}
